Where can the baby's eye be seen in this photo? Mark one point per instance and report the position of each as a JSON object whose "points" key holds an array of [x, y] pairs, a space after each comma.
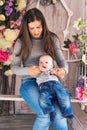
{"points": [[46, 62], [41, 62]]}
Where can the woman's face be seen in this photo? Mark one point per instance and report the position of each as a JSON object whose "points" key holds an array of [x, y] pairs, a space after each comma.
{"points": [[35, 28]]}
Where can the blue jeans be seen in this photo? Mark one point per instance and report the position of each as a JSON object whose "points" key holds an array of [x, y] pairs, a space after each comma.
{"points": [[29, 91], [51, 91]]}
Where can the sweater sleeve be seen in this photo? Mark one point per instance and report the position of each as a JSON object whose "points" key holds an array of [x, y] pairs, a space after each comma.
{"points": [[16, 65], [60, 59]]}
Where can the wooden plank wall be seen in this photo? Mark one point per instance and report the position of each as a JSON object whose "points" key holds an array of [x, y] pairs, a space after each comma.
{"points": [[56, 17]]}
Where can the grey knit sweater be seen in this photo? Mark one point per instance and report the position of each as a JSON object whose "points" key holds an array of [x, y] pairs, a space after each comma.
{"points": [[21, 69]]}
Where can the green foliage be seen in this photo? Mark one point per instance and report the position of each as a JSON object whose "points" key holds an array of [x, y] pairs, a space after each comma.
{"points": [[67, 42]]}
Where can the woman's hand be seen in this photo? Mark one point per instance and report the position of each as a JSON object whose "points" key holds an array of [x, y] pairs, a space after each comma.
{"points": [[59, 72], [34, 70]]}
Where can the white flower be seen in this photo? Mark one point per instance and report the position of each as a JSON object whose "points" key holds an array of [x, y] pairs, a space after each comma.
{"points": [[1, 2], [8, 72], [84, 58], [79, 24], [4, 44], [21, 4], [10, 34], [2, 17], [54, 1]]}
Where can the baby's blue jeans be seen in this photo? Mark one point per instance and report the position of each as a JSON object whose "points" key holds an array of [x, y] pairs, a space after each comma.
{"points": [[29, 91], [51, 91]]}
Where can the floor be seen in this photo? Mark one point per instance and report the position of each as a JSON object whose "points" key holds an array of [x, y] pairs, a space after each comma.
{"points": [[17, 122], [25, 121]]}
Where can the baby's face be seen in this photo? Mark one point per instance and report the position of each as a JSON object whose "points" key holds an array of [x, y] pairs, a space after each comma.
{"points": [[45, 63]]}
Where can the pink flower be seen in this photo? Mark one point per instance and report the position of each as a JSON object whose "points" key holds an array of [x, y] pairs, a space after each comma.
{"points": [[79, 93], [15, 24], [2, 28], [72, 48], [4, 56]]}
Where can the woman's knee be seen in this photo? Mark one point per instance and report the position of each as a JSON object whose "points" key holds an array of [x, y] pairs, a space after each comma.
{"points": [[60, 123], [42, 122]]}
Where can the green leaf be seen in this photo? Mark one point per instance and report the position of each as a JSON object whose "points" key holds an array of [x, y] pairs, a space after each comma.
{"points": [[67, 42]]}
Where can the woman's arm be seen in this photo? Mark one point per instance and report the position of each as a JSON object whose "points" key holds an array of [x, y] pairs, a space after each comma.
{"points": [[16, 66], [61, 61]]}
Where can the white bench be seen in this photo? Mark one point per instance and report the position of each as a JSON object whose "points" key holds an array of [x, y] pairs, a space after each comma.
{"points": [[4, 97]]}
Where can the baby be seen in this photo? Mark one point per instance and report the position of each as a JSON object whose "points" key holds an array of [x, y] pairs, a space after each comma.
{"points": [[51, 89]]}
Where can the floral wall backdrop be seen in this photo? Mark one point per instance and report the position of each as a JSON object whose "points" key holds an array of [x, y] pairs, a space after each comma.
{"points": [[11, 12]]}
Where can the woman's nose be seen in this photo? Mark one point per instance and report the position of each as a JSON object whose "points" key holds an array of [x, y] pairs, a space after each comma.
{"points": [[35, 30]]}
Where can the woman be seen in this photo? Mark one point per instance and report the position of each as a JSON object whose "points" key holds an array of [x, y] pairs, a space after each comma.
{"points": [[34, 40]]}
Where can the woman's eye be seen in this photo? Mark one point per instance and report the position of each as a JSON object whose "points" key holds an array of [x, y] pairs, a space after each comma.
{"points": [[38, 27], [31, 28]]}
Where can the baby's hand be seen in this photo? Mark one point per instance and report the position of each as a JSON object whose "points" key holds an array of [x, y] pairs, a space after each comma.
{"points": [[53, 71]]}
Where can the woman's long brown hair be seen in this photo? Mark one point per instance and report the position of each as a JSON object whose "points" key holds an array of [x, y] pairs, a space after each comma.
{"points": [[24, 35]]}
